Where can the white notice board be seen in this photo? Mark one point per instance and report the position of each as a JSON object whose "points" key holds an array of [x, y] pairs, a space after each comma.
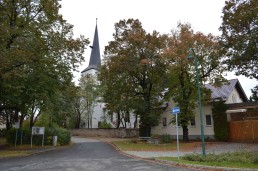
{"points": [[38, 130]]}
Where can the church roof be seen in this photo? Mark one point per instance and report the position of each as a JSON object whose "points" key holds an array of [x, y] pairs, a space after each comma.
{"points": [[95, 61], [225, 90]]}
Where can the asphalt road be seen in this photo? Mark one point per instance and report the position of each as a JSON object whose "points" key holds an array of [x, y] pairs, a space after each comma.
{"points": [[85, 155]]}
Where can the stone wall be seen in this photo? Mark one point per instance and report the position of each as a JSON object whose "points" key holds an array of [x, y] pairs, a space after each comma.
{"points": [[112, 132]]}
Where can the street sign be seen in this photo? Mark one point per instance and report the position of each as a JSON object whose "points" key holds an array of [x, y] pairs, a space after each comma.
{"points": [[175, 110], [37, 131]]}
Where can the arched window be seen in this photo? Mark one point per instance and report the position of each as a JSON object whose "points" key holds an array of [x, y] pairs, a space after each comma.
{"points": [[234, 100]]}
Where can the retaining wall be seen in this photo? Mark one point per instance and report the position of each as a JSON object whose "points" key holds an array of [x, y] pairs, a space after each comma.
{"points": [[112, 132]]}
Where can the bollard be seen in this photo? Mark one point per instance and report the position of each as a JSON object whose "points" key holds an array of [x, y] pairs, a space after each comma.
{"points": [[54, 140]]}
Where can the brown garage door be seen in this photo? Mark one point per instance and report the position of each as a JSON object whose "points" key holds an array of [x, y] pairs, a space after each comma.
{"points": [[246, 130]]}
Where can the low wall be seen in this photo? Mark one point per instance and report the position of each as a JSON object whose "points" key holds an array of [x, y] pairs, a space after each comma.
{"points": [[112, 132]]}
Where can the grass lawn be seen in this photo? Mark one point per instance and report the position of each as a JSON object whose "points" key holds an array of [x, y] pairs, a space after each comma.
{"points": [[242, 159], [12, 153], [134, 145], [210, 163]]}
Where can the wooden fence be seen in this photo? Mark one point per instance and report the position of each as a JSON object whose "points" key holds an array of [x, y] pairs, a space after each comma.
{"points": [[243, 131]]}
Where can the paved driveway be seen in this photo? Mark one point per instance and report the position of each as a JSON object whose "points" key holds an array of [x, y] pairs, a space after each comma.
{"points": [[85, 155]]}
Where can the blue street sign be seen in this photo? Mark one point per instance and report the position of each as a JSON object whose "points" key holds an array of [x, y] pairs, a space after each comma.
{"points": [[175, 110]]}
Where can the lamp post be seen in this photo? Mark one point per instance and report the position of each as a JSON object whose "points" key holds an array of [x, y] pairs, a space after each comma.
{"points": [[192, 56]]}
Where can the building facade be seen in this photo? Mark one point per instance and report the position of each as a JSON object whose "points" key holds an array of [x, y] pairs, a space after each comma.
{"points": [[229, 93]]}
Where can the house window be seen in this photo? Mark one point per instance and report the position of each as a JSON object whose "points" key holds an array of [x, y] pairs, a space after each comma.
{"points": [[164, 121], [208, 120], [192, 122]]}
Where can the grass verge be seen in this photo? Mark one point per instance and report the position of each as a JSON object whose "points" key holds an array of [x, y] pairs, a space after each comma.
{"points": [[13, 153], [133, 145], [241, 159]]}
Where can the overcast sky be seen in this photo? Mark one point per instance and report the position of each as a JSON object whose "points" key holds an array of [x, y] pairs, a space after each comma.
{"points": [[159, 15]]}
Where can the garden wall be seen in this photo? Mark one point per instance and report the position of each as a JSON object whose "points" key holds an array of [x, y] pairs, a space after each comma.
{"points": [[112, 132]]}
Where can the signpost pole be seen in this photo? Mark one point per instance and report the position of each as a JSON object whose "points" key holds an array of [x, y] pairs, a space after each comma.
{"points": [[177, 140], [15, 137], [176, 111]]}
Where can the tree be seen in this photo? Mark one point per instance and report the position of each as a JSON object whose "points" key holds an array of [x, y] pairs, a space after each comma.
{"points": [[239, 36], [37, 55], [89, 97], [182, 80], [134, 74], [58, 110], [254, 96]]}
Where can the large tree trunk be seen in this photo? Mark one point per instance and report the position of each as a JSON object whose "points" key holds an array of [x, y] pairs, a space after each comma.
{"points": [[185, 134], [118, 120], [31, 121], [21, 119], [145, 130], [135, 122], [8, 120]]}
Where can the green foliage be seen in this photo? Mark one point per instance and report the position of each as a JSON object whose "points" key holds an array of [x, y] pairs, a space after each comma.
{"points": [[242, 156], [166, 138], [87, 98], [134, 74], [256, 160], [104, 124], [220, 120], [182, 71], [2, 132], [254, 96], [37, 56], [63, 136], [239, 36], [25, 133]]}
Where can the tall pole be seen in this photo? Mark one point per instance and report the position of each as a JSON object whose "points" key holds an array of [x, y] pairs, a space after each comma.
{"points": [[200, 106]]}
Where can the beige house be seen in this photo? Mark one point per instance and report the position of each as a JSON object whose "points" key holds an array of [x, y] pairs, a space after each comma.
{"points": [[230, 93]]}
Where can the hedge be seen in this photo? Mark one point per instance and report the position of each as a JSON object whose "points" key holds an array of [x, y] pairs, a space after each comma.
{"points": [[63, 136], [220, 120]]}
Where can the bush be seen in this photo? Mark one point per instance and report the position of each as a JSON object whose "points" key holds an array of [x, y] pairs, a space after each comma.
{"points": [[255, 160], [165, 138], [63, 136], [155, 136], [220, 120], [242, 156], [104, 124], [2, 132]]}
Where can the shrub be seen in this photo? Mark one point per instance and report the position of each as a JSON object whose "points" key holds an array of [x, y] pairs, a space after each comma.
{"points": [[241, 156], [24, 134], [63, 135], [255, 161], [220, 120], [165, 138], [104, 124], [2, 132], [155, 136]]}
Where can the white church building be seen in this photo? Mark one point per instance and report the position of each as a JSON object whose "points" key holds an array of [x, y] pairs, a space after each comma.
{"points": [[99, 113]]}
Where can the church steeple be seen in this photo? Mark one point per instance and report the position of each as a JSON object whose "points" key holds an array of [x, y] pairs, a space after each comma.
{"points": [[95, 53]]}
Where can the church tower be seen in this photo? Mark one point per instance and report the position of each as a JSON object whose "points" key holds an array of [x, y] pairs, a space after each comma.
{"points": [[95, 111], [95, 61]]}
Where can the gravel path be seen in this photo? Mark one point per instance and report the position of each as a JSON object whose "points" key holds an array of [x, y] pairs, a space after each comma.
{"points": [[214, 149]]}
